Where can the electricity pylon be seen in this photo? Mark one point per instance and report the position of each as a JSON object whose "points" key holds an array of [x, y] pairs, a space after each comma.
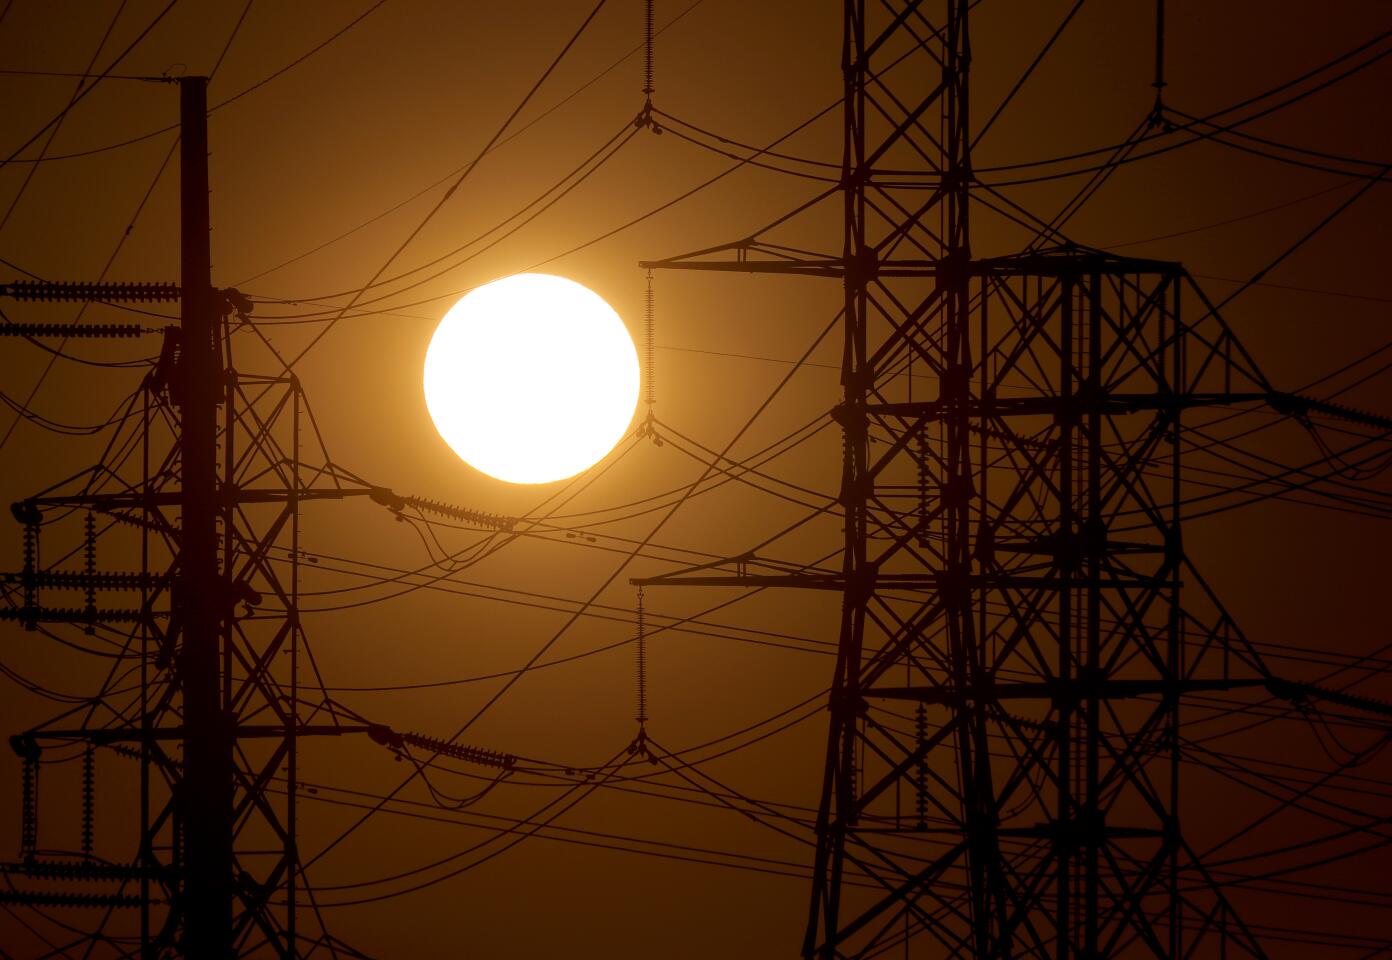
{"points": [[1020, 628], [213, 628]]}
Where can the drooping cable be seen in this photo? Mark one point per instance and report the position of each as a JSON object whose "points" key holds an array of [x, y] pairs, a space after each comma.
{"points": [[62, 116], [150, 135], [594, 596], [521, 129], [430, 215], [1024, 78], [1304, 238], [81, 94], [500, 231], [157, 292]]}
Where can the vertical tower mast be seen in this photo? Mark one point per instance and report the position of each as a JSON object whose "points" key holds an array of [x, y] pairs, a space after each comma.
{"points": [[219, 712], [207, 788]]}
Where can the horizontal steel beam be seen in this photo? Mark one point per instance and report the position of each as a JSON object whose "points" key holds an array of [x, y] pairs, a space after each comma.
{"points": [[1061, 691]]}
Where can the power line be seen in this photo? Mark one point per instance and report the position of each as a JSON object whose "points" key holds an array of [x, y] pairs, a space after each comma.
{"points": [[523, 128], [454, 186]]}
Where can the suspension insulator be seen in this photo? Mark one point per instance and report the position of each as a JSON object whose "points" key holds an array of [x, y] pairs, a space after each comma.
{"points": [[68, 290], [87, 870], [642, 717], [648, 321], [36, 614], [921, 773], [648, 49], [924, 486], [89, 792], [89, 554], [123, 751], [31, 562], [388, 737], [487, 758], [396, 503], [29, 804], [134, 520], [95, 580], [74, 331], [33, 899], [461, 513]]}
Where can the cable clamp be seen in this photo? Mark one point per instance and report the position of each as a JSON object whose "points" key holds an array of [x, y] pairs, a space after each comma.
{"points": [[648, 428], [645, 118]]}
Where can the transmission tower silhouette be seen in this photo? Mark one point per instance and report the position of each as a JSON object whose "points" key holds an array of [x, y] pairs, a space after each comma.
{"points": [[1021, 633], [212, 621], [1020, 627]]}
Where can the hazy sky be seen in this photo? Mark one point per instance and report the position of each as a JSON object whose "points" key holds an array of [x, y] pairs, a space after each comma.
{"points": [[339, 147]]}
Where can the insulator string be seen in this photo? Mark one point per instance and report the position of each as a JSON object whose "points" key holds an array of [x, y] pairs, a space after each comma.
{"points": [[1158, 111], [648, 321], [31, 563], [89, 550], [648, 50], [98, 291], [89, 791], [923, 488], [645, 115], [397, 742], [1159, 83], [921, 773], [29, 806], [642, 717], [74, 330]]}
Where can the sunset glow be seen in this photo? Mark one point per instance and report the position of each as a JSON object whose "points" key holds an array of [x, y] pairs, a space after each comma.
{"points": [[532, 378]]}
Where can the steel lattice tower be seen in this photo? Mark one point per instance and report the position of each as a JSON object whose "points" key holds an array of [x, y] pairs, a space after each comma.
{"points": [[1019, 624], [214, 515]]}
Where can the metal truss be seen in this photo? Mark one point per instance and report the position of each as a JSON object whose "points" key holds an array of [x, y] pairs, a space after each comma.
{"points": [[261, 711], [206, 486], [1020, 628]]}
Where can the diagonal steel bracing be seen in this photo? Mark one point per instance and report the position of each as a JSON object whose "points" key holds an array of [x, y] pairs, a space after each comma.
{"points": [[1019, 625]]}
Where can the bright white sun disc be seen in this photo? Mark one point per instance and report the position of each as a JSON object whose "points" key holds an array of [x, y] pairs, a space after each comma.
{"points": [[531, 378]]}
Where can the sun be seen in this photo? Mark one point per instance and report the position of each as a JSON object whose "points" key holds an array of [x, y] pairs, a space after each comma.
{"points": [[531, 378]]}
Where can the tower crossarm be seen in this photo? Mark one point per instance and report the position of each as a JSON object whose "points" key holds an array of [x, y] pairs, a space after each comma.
{"points": [[102, 736], [752, 257], [808, 581], [1068, 407], [151, 499], [907, 581], [1060, 691], [1011, 533]]}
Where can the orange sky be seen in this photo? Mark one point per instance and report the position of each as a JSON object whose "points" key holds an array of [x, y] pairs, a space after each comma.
{"points": [[317, 177]]}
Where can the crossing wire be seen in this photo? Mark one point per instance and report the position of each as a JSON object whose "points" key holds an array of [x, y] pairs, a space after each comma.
{"points": [[430, 215]]}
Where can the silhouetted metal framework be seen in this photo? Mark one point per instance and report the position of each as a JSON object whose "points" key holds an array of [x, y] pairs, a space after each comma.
{"points": [[211, 619], [1020, 627]]}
